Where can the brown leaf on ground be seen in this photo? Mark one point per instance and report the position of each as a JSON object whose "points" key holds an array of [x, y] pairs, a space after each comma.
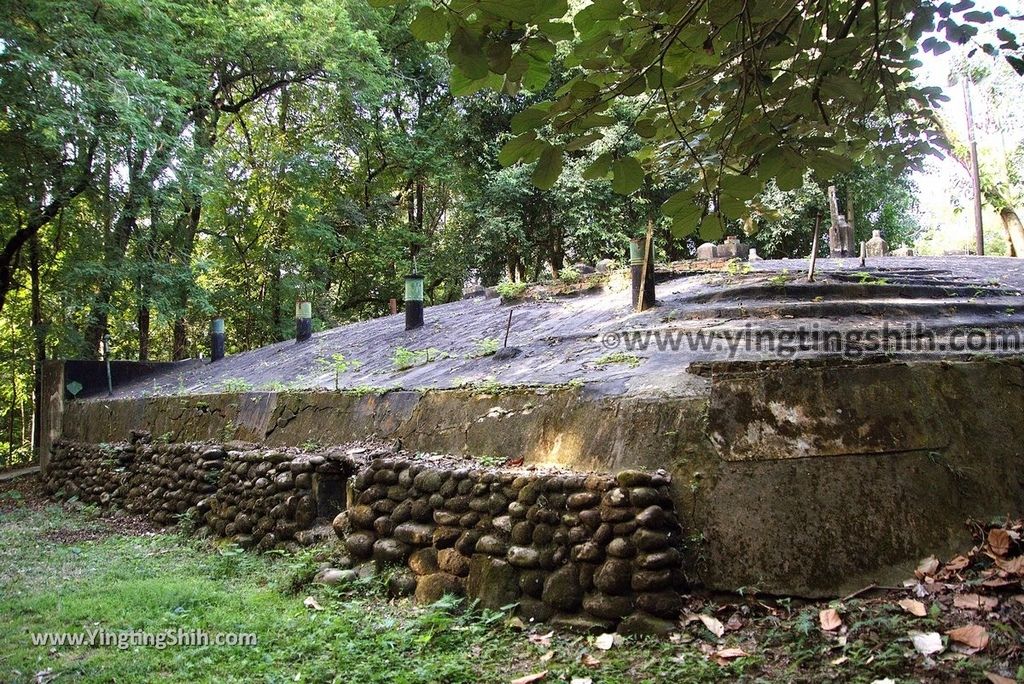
{"points": [[312, 603], [914, 607], [589, 660], [714, 625], [975, 602], [998, 541], [929, 566], [999, 679], [530, 678], [830, 620], [541, 639], [958, 563], [1013, 566], [734, 623], [723, 656], [973, 636], [547, 656]]}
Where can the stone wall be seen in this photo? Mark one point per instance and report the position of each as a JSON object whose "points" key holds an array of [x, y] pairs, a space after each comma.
{"points": [[584, 551], [589, 552], [260, 497]]}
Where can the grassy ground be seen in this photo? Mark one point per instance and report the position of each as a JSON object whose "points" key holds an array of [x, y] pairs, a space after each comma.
{"points": [[64, 569]]}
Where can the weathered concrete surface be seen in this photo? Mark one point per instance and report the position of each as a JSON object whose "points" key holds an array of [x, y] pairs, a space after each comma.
{"points": [[781, 492], [865, 498], [568, 339]]}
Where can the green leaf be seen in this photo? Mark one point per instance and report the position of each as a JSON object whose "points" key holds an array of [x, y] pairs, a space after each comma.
{"points": [[516, 148], [679, 204], [549, 168], [711, 228], [466, 52], [530, 118], [583, 141], [600, 168], [740, 187], [429, 25], [499, 56], [627, 175]]}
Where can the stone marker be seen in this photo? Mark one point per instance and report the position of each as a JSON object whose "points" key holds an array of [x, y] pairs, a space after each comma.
{"points": [[876, 246], [753, 255], [732, 248], [605, 265], [707, 251]]}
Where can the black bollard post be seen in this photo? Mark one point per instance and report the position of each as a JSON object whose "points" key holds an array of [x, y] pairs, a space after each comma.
{"points": [[413, 301], [216, 339], [636, 267], [303, 321]]}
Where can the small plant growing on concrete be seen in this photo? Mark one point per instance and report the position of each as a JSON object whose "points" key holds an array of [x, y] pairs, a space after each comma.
{"points": [[569, 275], [737, 267], [485, 347], [405, 358], [339, 364], [631, 360], [781, 278], [235, 385], [509, 291], [866, 278]]}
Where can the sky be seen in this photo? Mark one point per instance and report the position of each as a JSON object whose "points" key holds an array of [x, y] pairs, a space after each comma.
{"points": [[946, 200]]}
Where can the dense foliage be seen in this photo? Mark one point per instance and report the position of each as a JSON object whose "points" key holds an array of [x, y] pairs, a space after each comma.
{"points": [[163, 162]]}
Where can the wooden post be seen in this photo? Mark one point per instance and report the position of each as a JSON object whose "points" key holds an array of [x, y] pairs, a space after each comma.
{"points": [[814, 248], [863, 253], [979, 233], [643, 270], [508, 327]]}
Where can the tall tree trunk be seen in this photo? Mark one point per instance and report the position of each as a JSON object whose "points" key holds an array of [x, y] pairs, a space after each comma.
{"points": [[1014, 230], [38, 339]]}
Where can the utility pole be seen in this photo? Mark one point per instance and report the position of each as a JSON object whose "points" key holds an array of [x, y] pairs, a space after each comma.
{"points": [[979, 234]]}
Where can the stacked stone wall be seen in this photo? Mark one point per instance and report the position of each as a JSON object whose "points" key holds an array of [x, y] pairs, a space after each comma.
{"points": [[590, 552], [260, 497], [585, 551]]}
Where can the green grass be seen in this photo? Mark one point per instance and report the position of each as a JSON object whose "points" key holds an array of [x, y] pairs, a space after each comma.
{"points": [[165, 581]]}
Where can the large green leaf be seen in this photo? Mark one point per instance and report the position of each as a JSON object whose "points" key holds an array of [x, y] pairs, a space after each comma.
{"points": [[429, 25], [627, 175], [517, 148], [549, 168], [530, 118]]}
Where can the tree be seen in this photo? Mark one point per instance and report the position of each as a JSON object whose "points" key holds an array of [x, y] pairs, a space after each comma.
{"points": [[734, 93]]}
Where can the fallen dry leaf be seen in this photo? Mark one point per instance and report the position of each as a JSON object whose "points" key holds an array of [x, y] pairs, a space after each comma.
{"points": [[1013, 566], [516, 623], [1019, 598], [975, 602], [581, 680], [589, 660], [714, 625], [958, 563], [734, 623], [530, 678], [914, 607], [927, 567], [731, 653], [999, 541], [839, 661], [311, 602], [541, 639], [999, 679], [547, 656], [927, 643], [973, 636], [605, 641], [830, 620]]}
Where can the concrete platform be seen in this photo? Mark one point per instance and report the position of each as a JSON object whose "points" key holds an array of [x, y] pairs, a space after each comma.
{"points": [[805, 470]]}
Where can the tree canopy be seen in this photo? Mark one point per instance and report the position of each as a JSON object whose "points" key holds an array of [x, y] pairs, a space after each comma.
{"points": [[733, 93]]}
